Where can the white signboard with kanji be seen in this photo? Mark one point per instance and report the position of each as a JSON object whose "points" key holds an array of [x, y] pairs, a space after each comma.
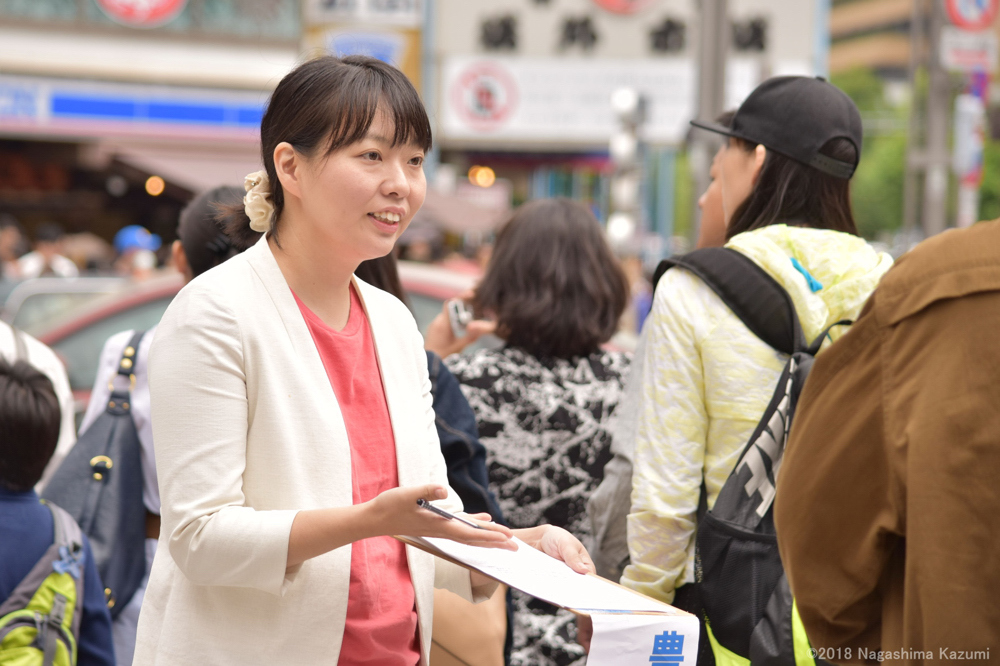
{"points": [[561, 100]]}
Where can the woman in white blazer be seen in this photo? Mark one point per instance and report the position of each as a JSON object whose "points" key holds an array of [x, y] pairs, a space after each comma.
{"points": [[253, 455]]}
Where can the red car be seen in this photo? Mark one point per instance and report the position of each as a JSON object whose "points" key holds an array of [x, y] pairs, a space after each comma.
{"points": [[79, 338]]}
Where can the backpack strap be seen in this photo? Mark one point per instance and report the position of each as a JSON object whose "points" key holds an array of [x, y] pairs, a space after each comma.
{"points": [[748, 290], [70, 536], [126, 368]]}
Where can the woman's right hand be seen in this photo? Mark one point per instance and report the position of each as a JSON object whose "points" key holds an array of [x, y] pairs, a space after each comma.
{"points": [[396, 511]]}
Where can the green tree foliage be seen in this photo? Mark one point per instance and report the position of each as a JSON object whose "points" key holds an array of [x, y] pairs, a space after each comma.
{"points": [[989, 191], [877, 186]]}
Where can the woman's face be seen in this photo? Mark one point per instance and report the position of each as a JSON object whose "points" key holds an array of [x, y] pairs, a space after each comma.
{"points": [[737, 171], [712, 232], [364, 195]]}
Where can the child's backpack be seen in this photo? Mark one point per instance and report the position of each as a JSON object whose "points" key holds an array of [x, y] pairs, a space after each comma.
{"points": [[745, 600], [40, 620]]}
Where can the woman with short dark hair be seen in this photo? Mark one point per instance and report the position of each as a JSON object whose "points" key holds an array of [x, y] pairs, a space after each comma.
{"points": [[556, 292]]}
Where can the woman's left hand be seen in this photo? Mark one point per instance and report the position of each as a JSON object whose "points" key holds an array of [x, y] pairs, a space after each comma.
{"points": [[560, 544]]}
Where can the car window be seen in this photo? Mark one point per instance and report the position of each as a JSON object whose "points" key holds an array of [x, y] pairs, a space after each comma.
{"points": [[39, 311], [81, 350]]}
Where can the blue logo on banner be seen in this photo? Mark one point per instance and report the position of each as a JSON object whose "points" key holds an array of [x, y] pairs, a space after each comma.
{"points": [[383, 46], [668, 648]]}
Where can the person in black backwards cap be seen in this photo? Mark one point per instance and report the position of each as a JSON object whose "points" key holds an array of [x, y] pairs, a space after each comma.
{"points": [[791, 150]]}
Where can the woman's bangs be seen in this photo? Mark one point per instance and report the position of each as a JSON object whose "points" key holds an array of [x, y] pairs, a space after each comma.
{"points": [[355, 113]]}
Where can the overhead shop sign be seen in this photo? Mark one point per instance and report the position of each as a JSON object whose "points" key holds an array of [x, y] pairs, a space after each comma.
{"points": [[39, 106], [561, 100], [142, 13], [408, 13]]}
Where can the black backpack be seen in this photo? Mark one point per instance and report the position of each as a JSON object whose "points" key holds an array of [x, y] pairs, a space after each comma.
{"points": [[99, 483], [742, 590]]}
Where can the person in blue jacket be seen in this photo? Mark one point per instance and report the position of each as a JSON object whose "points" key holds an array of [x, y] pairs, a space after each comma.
{"points": [[29, 429]]}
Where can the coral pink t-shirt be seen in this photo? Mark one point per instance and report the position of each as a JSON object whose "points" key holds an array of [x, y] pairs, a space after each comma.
{"points": [[381, 625]]}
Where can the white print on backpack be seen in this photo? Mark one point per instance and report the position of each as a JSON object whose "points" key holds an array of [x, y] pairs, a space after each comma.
{"points": [[770, 445]]}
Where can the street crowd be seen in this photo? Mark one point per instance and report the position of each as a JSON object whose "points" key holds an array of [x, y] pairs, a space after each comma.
{"points": [[801, 451]]}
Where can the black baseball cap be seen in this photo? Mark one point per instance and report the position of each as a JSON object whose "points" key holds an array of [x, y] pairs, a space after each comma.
{"points": [[796, 116]]}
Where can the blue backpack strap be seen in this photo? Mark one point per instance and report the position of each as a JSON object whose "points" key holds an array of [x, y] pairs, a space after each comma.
{"points": [[748, 290]]}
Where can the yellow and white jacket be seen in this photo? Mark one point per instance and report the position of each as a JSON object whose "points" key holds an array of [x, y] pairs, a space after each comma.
{"points": [[708, 380]]}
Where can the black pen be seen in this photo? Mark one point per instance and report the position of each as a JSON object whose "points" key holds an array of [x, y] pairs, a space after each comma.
{"points": [[424, 504]]}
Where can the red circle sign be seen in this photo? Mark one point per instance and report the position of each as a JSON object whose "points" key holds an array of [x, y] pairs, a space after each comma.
{"points": [[142, 13], [622, 6], [972, 14], [485, 95]]}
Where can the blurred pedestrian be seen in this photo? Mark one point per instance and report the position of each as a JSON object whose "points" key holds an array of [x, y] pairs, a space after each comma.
{"points": [[555, 292], [887, 508], [12, 245], [609, 505], [47, 258], [136, 249], [707, 379], [30, 550], [272, 379], [202, 244], [16, 346]]}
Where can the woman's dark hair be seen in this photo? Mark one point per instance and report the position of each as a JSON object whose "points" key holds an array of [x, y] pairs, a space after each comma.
{"points": [[202, 224], [553, 284], [384, 274], [29, 425], [790, 192], [328, 103]]}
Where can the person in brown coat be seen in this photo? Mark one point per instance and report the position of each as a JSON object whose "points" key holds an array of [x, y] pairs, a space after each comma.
{"points": [[888, 502]]}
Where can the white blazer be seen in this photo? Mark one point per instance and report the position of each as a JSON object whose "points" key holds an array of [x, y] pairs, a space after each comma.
{"points": [[247, 432]]}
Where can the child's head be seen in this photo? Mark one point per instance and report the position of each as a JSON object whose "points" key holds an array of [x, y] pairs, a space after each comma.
{"points": [[29, 425]]}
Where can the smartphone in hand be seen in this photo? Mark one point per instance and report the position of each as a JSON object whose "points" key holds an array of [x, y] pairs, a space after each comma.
{"points": [[459, 315]]}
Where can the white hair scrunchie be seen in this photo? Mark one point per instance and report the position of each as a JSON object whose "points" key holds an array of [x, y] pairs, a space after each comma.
{"points": [[257, 202]]}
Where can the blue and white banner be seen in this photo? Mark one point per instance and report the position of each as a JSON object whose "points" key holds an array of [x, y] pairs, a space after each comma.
{"points": [[56, 107]]}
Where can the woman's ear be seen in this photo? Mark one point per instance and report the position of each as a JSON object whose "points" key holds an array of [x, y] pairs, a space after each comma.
{"points": [[759, 155], [288, 167]]}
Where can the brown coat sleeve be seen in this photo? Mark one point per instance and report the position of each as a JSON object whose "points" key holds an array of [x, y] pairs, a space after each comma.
{"points": [[837, 509]]}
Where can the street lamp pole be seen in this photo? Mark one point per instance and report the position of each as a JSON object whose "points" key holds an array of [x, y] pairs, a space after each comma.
{"points": [[938, 102], [713, 39]]}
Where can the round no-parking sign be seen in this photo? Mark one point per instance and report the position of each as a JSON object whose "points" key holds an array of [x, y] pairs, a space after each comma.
{"points": [[142, 13], [972, 14], [485, 95]]}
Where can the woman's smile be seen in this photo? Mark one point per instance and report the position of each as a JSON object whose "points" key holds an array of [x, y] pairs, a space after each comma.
{"points": [[386, 221]]}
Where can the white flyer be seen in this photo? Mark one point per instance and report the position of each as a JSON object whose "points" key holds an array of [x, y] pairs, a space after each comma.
{"points": [[629, 628]]}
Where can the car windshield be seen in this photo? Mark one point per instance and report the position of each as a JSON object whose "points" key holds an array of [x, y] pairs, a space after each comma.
{"points": [[39, 312]]}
